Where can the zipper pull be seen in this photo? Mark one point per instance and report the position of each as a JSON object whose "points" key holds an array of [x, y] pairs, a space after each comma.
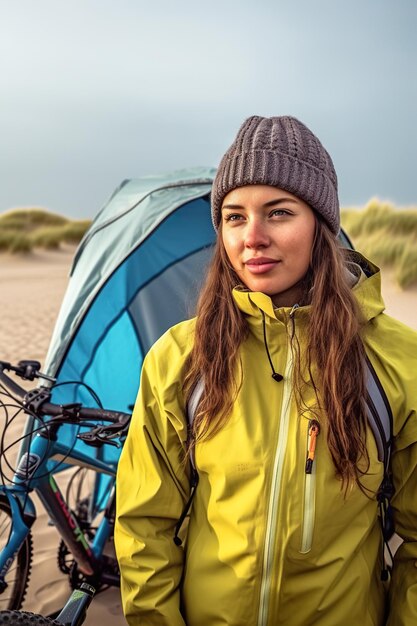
{"points": [[292, 319], [313, 433]]}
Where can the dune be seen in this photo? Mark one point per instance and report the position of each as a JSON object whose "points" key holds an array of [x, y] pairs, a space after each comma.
{"points": [[31, 289], [400, 303]]}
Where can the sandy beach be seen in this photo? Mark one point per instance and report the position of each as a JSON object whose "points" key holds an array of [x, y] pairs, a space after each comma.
{"points": [[31, 290]]}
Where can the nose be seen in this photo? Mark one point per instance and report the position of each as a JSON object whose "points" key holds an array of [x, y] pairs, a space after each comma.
{"points": [[256, 234]]}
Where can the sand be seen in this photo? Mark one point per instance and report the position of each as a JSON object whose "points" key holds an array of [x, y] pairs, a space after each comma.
{"points": [[31, 289]]}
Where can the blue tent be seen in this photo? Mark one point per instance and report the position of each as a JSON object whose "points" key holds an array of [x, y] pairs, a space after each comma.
{"points": [[135, 273]]}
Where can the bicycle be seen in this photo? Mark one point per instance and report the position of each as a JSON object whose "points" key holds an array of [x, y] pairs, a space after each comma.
{"points": [[73, 613], [86, 529]]}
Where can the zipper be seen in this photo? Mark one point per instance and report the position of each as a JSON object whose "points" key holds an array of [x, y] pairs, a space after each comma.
{"points": [[313, 433], [309, 488], [271, 527]]}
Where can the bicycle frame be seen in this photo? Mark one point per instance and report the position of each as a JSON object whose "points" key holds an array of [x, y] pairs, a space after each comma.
{"points": [[32, 474]]}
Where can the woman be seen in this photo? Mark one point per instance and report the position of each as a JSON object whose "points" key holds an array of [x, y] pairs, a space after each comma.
{"points": [[284, 526]]}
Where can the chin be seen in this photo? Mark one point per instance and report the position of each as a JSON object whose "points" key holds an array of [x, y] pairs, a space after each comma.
{"points": [[270, 291]]}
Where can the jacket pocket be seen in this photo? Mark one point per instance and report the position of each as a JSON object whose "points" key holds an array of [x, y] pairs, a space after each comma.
{"points": [[309, 505], [308, 512]]}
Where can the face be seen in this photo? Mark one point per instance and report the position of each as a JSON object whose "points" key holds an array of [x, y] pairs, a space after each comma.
{"points": [[268, 236]]}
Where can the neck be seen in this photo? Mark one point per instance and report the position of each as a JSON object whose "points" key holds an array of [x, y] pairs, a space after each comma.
{"points": [[294, 295]]}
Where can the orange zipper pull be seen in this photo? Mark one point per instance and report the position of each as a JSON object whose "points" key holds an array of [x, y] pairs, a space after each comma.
{"points": [[313, 433]]}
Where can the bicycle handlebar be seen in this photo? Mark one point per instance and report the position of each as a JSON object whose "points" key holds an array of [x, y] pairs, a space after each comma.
{"points": [[37, 402]]}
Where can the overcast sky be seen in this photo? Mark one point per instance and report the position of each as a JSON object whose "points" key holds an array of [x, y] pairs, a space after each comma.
{"points": [[96, 91]]}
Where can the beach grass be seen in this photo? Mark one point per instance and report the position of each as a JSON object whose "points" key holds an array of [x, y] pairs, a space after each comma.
{"points": [[22, 230], [387, 235]]}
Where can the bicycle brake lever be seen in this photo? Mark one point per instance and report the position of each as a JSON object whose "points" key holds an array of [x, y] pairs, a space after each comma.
{"points": [[28, 370], [93, 438], [110, 442]]}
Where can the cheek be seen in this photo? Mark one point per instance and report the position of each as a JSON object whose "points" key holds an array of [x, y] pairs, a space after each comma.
{"points": [[300, 247], [231, 246]]}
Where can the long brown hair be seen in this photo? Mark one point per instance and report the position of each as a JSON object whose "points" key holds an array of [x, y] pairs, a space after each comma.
{"points": [[334, 347]]}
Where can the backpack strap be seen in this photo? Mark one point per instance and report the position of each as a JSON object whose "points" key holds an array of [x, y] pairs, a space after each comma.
{"points": [[378, 411], [377, 407], [379, 415], [190, 411], [381, 423]]}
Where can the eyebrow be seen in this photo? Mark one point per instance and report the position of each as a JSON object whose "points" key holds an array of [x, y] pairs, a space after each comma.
{"points": [[266, 205]]}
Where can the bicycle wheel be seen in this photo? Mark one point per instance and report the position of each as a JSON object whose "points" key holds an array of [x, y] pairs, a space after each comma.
{"points": [[22, 618], [17, 578]]}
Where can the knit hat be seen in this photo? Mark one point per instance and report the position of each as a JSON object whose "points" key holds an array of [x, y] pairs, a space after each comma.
{"points": [[283, 152]]}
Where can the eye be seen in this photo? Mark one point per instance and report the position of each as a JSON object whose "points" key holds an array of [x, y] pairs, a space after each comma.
{"points": [[279, 213], [232, 217]]}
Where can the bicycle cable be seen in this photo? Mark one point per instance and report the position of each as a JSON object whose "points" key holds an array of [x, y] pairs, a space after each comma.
{"points": [[93, 394], [43, 427]]}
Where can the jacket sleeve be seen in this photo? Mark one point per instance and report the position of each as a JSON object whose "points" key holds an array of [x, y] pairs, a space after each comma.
{"points": [[403, 589], [152, 487]]}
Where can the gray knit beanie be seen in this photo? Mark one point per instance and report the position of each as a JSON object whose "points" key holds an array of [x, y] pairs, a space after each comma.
{"points": [[283, 152]]}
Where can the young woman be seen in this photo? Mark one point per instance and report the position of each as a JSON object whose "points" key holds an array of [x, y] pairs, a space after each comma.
{"points": [[284, 527]]}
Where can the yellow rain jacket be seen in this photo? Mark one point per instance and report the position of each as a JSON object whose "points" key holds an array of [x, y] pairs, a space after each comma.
{"points": [[267, 544]]}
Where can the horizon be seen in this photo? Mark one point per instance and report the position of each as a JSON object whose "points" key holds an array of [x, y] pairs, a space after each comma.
{"points": [[94, 93], [364, 207]]}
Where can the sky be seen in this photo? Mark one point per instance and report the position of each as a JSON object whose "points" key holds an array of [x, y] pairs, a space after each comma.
{"points": [[96, 91]]}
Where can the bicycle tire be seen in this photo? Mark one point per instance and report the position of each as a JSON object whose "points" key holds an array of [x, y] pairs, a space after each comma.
{"points": [[17, 578], [23, 618]]}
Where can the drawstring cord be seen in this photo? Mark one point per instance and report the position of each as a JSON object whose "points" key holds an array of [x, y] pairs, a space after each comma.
{"points": [[275, 375], [292, 313]]}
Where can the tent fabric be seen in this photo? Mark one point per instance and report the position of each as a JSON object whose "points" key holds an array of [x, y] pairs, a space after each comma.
{"points": [[133, 212], [135, 273]]}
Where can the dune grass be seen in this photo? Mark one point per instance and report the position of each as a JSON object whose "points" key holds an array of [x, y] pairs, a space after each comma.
{"points": [[21, 230], [386, 235]]}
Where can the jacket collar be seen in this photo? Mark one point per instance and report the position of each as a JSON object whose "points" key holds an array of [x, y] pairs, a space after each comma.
{"points": [[368, 288], [366, 279]]}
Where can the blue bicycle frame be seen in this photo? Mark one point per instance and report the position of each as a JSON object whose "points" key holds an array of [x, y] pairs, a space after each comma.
{"points": [[32, 474]]}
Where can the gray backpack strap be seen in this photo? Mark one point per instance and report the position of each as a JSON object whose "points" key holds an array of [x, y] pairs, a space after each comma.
{"points": [[381, 423], [379, 415], [193, 401], [191, 411], [377, 407]]}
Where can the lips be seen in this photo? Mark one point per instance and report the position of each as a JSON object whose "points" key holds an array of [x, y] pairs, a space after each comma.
{"points": [[260, 265]]}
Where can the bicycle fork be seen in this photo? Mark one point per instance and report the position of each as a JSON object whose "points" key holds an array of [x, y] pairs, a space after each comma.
{"points": [[21, 523], [57, 509]]}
